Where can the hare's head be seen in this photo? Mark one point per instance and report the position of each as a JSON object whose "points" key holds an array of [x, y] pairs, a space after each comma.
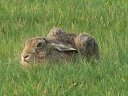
{"points": [[33, 50], [55, 32]]}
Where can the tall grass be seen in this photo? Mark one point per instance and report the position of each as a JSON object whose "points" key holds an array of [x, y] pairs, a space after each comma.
{"points": [[105, 20]]}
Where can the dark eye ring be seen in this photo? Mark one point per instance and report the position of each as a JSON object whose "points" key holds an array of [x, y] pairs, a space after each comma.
{"points": [[39, 45]]}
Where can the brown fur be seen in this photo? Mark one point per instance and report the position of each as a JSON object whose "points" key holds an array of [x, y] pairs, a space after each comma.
{"points": [[62, 36], [37, 52], [85, 43], [87, 46]]}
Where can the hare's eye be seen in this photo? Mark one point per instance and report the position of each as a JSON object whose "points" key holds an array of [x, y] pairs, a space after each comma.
{"points": [[39, 45]]}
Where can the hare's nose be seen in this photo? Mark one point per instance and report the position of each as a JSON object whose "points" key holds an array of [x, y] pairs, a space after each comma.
{"points": [[26, 56]]}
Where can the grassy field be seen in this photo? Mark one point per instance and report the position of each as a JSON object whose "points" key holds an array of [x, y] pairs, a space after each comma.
{"points": [[105, 20]]}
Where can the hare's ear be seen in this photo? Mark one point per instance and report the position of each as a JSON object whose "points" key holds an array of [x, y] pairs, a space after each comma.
{"points": [[63, 47]]}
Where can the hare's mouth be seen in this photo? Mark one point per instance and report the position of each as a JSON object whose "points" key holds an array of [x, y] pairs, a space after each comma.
{"points": [[24, 62]]}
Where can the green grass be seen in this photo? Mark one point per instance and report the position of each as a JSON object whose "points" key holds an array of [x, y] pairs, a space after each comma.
{"points": [[105, 20]]}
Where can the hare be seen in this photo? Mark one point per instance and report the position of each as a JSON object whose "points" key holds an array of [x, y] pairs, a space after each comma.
{"points": [[85, 44], [41, 50]]}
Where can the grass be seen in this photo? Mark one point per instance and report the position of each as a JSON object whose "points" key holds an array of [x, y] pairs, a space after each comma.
{"points": [[105, 20]]}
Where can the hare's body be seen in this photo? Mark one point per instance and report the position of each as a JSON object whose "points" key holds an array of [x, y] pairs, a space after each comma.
{"points": [[84, 43], [87, 46], [62, 36], [40, 50]]}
